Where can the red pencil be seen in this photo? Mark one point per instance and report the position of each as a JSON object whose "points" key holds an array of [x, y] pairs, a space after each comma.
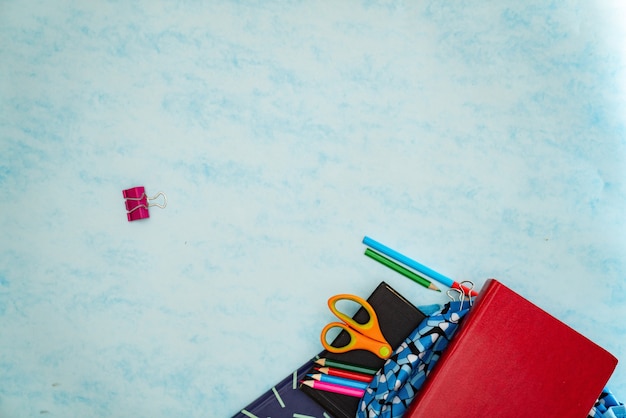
{"points": [[345, 374], [329, 387]]}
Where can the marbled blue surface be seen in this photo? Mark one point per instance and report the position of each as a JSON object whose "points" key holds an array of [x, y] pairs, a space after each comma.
{"points": [[482, 138]]}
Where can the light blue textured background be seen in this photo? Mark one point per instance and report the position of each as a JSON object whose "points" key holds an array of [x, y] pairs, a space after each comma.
{"points": [[482, 138]]}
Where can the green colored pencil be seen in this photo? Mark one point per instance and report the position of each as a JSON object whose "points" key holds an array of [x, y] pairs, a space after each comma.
{"points": [[345, 366], [398, 268]]}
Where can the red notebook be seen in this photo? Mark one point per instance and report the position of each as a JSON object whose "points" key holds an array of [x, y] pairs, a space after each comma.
{"points": [[510, 358]]}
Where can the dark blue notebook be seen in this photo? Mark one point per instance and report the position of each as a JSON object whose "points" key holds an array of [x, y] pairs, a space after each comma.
{"points": [[285, 400]]}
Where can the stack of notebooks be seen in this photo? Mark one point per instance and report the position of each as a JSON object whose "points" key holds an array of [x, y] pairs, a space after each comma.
{"points": [[508, 358]]}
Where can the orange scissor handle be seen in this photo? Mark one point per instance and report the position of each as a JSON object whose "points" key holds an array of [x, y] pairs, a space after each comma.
{"points": [[357, 342], [367, 336]]}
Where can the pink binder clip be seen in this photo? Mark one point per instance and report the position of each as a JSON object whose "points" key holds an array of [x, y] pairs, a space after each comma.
{"points": [[137, 203]]}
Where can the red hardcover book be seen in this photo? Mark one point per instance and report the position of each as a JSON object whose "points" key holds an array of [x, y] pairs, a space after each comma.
{"points": [[509, 358]]}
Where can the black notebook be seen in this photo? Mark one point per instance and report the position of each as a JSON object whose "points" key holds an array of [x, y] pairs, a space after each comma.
{"points": [[397, 318]]}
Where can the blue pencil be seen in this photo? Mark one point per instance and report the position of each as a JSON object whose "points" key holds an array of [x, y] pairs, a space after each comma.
{"points": [[336, 380], [446, 281]]}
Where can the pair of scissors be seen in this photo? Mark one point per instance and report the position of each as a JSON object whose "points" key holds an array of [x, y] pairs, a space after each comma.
{"points": [[367, 336]]}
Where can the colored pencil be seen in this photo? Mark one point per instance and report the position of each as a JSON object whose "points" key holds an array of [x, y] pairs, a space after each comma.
{"points": [[345, 374], [446, 281], [346, 366], [399, 269], [336, 380], [329, 387]]}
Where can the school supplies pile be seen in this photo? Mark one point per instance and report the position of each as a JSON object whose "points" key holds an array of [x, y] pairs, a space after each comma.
{"points": [[501, 355], [397, 318]]}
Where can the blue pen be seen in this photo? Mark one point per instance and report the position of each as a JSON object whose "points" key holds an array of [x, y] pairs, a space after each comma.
{"points": [[336, 380], [446, 281]]}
